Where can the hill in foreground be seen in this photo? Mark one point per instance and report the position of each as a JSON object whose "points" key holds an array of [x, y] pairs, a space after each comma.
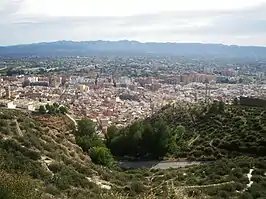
{"points": [[217, 133], [40, 159], [195, 132]]}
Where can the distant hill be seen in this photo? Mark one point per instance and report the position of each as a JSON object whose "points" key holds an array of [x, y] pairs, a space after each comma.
{"points": [[125, 47]]}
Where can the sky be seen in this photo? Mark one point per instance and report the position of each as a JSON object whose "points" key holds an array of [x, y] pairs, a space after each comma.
{"points": [[241, 22]]}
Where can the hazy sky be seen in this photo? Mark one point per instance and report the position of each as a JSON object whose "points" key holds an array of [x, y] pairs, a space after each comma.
{"points": [[210, 21]]}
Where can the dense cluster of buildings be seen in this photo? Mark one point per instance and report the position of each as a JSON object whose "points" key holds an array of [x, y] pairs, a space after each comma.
{"points": [[116, 101], [119, 90]]}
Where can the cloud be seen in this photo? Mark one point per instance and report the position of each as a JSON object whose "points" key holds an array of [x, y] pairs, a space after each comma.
{"points": [[8, 7], [246, 26]]}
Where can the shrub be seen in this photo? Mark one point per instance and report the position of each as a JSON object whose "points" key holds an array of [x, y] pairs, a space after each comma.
{"points": [[55, 167], [102, 155], [223, 194], [13, 186], [68, 177], [51, 190], [137, 187]]}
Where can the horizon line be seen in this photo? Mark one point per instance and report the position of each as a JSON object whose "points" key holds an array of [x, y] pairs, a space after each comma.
{"points": [[128, 40]]}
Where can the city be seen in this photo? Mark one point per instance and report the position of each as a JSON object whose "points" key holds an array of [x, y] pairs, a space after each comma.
{"points": [[132, 99], [120, 90]]}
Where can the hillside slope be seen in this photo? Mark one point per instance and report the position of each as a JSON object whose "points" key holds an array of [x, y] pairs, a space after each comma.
{"points": [[39, 152], [44, 148], [40, 159], [195, 132], [232, 137], [85, 48], [218, 130]]}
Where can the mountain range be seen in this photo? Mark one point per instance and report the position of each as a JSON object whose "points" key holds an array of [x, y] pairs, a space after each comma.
{"points": [[125, 47]]}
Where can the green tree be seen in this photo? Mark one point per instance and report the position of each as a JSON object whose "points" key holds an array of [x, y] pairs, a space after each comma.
{"points": [[112, 132], [214, 108], [48, 107], [87, 142], [102, 155], [62, 110], [118, 145], [172, 146], [160, 138], [180, 131], [221, 106], [52, 110], [134, 138], [235, 101], [147, 136], [56, 105], [42, 109], [85, 127]]}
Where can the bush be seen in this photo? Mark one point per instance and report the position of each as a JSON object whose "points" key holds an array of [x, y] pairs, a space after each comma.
{"points": [[68, 177], [87, 142], [51, 190], [223, 194], [13, 186], [32, 154], [137, 187], [102, 155], [55, 167]]}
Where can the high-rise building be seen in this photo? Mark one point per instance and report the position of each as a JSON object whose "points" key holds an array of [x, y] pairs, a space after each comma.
{"points": [[208, 69]]}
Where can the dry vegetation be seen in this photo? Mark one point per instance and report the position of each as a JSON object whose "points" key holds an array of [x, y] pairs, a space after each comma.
{"points": [[44, 157], [46, 151]]}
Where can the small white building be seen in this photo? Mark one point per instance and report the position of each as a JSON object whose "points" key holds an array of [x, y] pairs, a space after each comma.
{"points": [[31, 107], [10, 105]]}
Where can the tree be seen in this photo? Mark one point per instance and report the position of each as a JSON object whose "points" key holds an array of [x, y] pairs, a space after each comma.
{"points": [[56, 105], [160, 138], [147, 136], [86, 136], [52, 110], [235, 101], [102, 155], [118, 145], [134, 138], [42, 109], [112, 132], [180, 131], [62, 110], [48, 107], [87, 142], [172, 146], [85, 127], [221, 106], [214, 108]]}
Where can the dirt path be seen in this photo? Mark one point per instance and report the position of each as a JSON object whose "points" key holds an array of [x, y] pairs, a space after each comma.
{"points": [[19, 132], [205, 186], [73, 120]]}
